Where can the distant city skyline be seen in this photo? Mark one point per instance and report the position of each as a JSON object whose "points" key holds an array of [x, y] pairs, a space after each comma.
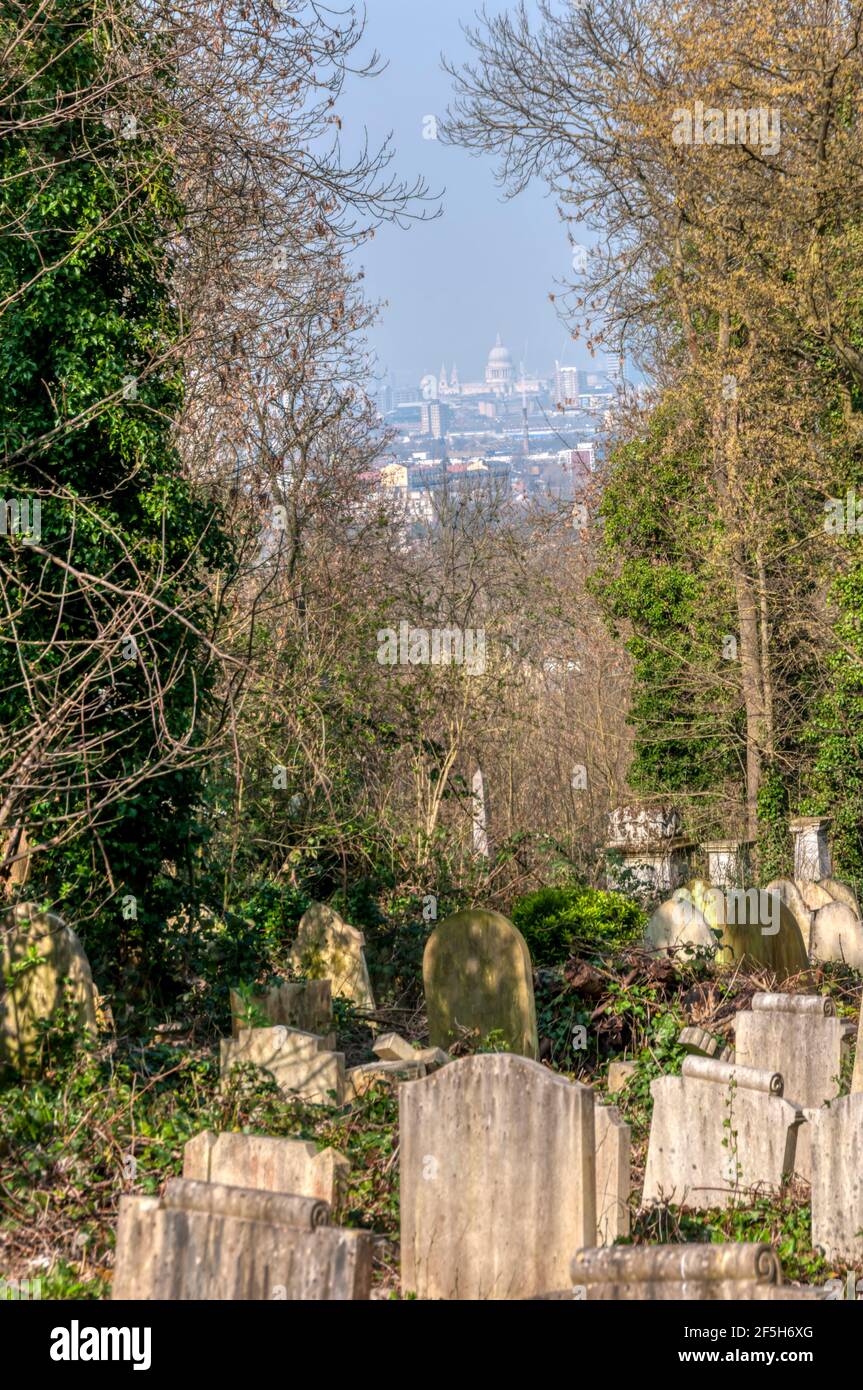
{"points": [[486, 266]]}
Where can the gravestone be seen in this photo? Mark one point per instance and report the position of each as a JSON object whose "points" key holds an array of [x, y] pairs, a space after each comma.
{"points": [[857, 1079], [754, 927], [716, 1129], [799, 1036], [306, 1005], [206, 1241], [390, 1047], [613, 1143], [498, 1179], [59, 976], [299, 1063], [813, 894], [793, 900], [837, 1178], [837, 934], [477, 975], [841, 893], [328, 948], [267, 1164], [682, 1272], [619, 1075], [676, 925], [362, 1078]]}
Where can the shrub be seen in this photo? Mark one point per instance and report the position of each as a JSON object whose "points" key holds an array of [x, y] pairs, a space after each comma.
{"points": [[554, 921]]}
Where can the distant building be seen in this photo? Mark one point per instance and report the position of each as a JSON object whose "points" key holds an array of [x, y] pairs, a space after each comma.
{"points": [[394, 475], [435, 419], [499, 371]]}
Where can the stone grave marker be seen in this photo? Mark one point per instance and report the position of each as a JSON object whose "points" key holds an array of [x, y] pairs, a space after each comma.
{"points": [[60, 974], [837, 1178], [327, 947], [498, 1179], [837, 934], [300, 1064], [793, 899], [717, 1129], [678, 924], [841, 893], [306, 1005], [206, 1241], [477, 975], [799, 1036], [613, 1141], [857, 1079], [267, 1164]]}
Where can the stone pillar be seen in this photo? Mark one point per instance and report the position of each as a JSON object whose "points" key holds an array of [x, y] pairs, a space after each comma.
{"points": [[646, 856], [727, 863], [811, 851], [480, 828]]}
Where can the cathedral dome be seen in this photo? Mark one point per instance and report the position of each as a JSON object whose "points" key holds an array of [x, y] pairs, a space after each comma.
{"points": [[499, 369]]}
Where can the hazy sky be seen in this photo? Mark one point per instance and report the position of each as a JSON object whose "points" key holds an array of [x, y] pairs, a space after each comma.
{"points": [[486, 265]]}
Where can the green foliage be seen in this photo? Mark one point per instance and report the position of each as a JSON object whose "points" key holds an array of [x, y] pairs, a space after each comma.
{"points": [[835, 729], [658, 577], [90, 306], [774, 849], [553, 921]]}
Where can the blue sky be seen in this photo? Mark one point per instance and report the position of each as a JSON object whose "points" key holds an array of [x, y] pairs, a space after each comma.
{"points": [[486, 265]]}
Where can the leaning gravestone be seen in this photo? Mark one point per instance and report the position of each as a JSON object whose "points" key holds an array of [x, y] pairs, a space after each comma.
{"points": [[755, 928], [677, 925], [300, 1064], [328, 948], [267, 1164], [206, 1241], [48, 969], [613, 1144], [716, 1129], [477, 975], [813, 894], [841, 893], [800, 1036], [837, 1178], [837, 934], [498, 1179], [793, 900], [307, 1005]]}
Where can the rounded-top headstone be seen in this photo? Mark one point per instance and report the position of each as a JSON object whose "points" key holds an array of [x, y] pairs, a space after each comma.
{"points": [[329, 948], [477, 975], [59, 975], [840, 893], [837, 934], [794, 901], [678, 923]]}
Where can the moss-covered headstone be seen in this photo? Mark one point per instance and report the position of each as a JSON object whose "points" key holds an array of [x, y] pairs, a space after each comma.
{"points": [[43, 970], [477, 975], [328, 948]]}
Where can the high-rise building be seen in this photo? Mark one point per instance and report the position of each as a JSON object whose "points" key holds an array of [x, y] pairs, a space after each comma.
{"points": [[434, 419]]}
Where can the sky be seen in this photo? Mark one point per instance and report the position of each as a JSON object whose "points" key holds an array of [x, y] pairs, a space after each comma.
{"points": [[486, 266]]}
